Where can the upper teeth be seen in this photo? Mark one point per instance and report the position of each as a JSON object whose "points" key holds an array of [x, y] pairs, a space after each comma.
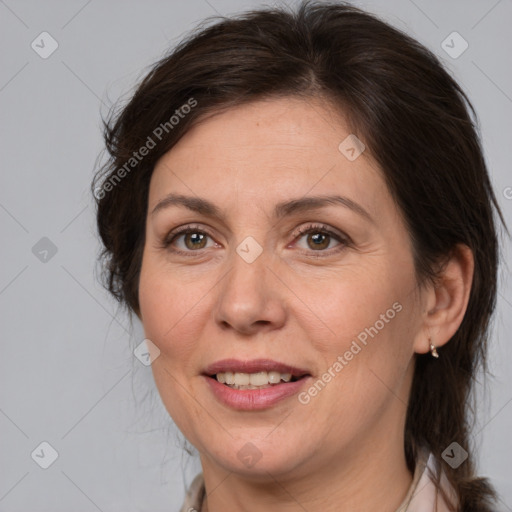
{"points": [[253, 379]]}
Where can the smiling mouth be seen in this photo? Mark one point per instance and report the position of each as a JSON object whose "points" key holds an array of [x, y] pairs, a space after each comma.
{"points": [[258, 380]]}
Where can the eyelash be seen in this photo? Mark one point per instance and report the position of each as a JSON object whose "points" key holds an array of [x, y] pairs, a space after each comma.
{"points": [[305, 230]]}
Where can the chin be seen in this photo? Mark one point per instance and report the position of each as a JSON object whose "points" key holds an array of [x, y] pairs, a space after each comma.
{"points": [[257, 460]]}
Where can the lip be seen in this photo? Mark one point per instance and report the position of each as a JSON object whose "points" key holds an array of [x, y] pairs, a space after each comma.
{"points": [[254, 399], [253, 366]]}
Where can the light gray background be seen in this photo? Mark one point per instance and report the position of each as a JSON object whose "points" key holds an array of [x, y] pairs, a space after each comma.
{"points": [[68, 376]]}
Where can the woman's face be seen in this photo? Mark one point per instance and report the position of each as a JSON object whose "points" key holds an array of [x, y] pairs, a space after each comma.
{"points": [[274, 278]]}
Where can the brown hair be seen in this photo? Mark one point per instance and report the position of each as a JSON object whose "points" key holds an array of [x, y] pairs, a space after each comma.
{"points": [[412, 116]]}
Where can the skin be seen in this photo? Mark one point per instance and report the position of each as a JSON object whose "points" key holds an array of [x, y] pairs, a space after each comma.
{"points": [[342, 451]]}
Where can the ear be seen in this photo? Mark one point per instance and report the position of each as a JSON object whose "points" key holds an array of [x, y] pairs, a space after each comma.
{"points": [[445, 302]]}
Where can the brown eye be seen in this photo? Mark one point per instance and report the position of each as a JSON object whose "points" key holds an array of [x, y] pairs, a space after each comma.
{"points": [[195, 240], [187, 240], [318, 241]]}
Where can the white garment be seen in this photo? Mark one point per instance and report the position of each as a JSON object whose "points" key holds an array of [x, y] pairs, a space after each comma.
{"points": [[421, 496]]}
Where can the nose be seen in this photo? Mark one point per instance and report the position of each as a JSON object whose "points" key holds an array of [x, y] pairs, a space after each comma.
{"points": [[251, 297]]}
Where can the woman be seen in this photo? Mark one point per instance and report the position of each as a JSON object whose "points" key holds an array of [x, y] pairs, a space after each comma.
{"points": [[297, 208]]}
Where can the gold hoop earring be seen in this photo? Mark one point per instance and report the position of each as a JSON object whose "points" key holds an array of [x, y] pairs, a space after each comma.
{"points": [[433, 350]]}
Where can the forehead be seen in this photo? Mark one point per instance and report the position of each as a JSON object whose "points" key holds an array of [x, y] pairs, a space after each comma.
{"points": [[267, 149]]}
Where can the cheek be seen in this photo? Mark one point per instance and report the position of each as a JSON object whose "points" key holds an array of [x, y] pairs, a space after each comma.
{"points": [[361, 382], [169, 313], [352, 305], [369, 340]]}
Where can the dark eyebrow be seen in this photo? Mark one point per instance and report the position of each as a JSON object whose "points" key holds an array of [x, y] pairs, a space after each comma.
{"points": [[284, 209], [308, 203]]}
